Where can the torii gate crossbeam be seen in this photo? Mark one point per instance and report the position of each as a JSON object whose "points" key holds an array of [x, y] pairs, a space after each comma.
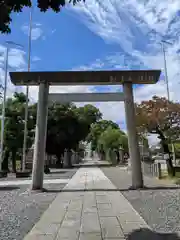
{"points": [[85, 97]]}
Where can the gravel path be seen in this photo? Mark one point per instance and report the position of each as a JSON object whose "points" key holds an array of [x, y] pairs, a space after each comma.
{"points": [[20, 209], [159, 206]]}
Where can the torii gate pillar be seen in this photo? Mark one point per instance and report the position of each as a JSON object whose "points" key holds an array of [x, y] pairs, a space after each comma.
{"points": [[137, 178], [40, 137]]}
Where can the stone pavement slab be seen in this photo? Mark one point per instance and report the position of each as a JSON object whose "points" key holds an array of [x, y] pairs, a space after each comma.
{"points": [[89, 208], [92, 162], [89, 179]]}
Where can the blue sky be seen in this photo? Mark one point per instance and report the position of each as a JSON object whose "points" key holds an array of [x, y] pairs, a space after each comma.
{"points": [[106, 35], [62, 37]]}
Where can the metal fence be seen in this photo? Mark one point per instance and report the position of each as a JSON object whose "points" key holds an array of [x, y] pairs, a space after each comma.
{"points": [[152, 169]]}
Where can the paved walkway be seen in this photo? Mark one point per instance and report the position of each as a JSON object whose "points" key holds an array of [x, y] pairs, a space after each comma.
{"points": [[93, 162], [90, 207]]}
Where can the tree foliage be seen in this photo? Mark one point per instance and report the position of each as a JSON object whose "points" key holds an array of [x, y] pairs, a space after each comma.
{"points": [[161, 117], [159, 112], [14, 127], [110, 142], [87, 116], [113, 139], [67, 126], [97, 129], [7, 7], [89, 113]]}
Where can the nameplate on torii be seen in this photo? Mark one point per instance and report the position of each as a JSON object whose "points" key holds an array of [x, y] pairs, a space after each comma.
{"points": [[122, 79]]}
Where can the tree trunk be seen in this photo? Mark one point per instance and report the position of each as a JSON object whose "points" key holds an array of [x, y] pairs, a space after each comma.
{"points": [[67, 159], [69, 154], [14, 161], [5, 161], [170, 167], [59, 162], [113, 156], [118, 156], [102, 155]]}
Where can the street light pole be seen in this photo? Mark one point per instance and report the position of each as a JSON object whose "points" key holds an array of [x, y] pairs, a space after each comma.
{"points": [[27, 96], [4, 107], [165, 71], [167, 89]]}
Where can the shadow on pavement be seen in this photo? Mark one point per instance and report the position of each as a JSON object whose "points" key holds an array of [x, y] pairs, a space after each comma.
{"points": [[111, 190], [80, 190], [152, 188], [57, 172], [94, 165], [9, 188], [147, 234]]}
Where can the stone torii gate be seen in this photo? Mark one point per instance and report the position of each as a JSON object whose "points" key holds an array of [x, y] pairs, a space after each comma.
{"points": [[65, 78]]}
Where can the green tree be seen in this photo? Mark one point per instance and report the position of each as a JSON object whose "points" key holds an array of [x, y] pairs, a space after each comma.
{"points": [[124, 142], [89, 113], [161, 117], [14, 128], [97, 129], [112, 140], [61, 127], [67, 127], [8, 7]]}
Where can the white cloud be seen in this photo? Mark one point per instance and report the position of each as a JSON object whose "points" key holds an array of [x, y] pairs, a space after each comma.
{"points": [[138, 27], [38, 24], [15, 57], [131, 24], [36, 58], [36, 31], [16, 60]]}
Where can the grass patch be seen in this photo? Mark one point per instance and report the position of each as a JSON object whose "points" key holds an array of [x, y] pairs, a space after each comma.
{"points": [[175, 179]]}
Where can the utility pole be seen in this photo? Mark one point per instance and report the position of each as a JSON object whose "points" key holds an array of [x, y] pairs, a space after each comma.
{"points": [[27, 96], [165, 70], [167, 89], [4, 107]]}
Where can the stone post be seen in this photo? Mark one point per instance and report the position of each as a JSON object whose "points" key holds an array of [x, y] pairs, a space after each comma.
{"points": [[67, 159], [137, 178], [40, 137], [121, 156]]}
